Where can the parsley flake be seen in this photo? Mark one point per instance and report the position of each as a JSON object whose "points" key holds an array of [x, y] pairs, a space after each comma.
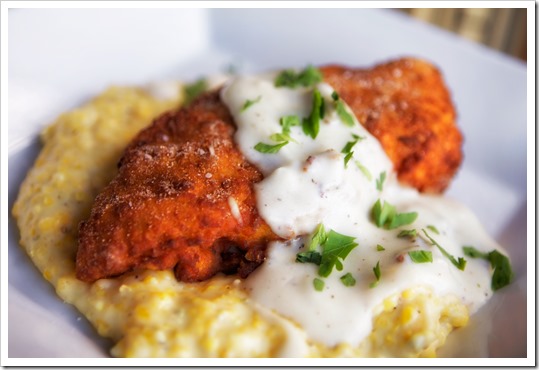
{"points": [[287, 122], [347, 149], [433, 229], [268, 148], [407, 233], [386, 216], [248, 103], [364, 170], [420, 256], [281, 138], [289, 78], [377, 275], [474, 253], [380, 248], [348, 280], [334, 248], [318, 284], [347, 159], [309, 257], [503, 273], [380, 181], [460, 263], [317, 238], [311, 124], [193, 90], [342, 112]]}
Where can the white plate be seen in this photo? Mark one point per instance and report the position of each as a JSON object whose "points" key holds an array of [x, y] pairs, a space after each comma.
{"points": [[59, 58]]}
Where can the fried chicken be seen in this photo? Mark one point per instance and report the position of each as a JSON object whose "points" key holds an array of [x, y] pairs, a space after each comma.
{"points": [[183, 198], [407, 107], [184, 194]]}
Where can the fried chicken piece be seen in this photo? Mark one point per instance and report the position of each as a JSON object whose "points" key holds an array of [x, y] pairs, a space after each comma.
{"points": [[183, 199], [407, 107]]}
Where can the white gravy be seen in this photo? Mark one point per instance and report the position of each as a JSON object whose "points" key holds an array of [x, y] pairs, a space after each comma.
{"points": [[306, 184]]}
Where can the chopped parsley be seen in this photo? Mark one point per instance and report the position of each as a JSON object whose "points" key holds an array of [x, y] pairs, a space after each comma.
{"points": [[318, 284], [341, 110], [407, 233], [268, 148], [420, 256], [334, 248], [248, 103], [459, 263], [287, 122], [348, 280], [380, 248], [347, 158], [318, 237], [347, 149], [386, 216], [433, 229], [281, 138], [377, 275], [193, 90], [364, 170], [289, 78], [309, 257], [380, 181], [311, 124], [503, 273]]}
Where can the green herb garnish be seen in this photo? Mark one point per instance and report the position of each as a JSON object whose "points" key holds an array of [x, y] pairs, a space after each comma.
{"points": [[311, 124], [318, 284], [334, 248], [420, 256], [347, 159], [268, 148], [407, 234], [386, 216], [474, 253], [347, 149], [350, 144], [380, 248], [341, 110], [460, 263], [292, 79], [348, 280], [364, 170], [287, 122], [281, 138], [377, 275], [433, 229], [193, 90], [380, 181], [309, 257], [318, 237], [503, 273], [248, 103]]}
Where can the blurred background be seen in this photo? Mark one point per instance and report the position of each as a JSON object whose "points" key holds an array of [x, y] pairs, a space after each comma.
{"points": [[501, 29]]}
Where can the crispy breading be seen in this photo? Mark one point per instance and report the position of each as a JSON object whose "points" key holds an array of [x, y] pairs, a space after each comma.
{"points": [[184, 196], [183, 199], [407, 107]]}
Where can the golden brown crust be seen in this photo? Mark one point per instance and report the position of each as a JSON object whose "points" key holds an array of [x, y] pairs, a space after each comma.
{"points": [[407, 107], [170, 205]]}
